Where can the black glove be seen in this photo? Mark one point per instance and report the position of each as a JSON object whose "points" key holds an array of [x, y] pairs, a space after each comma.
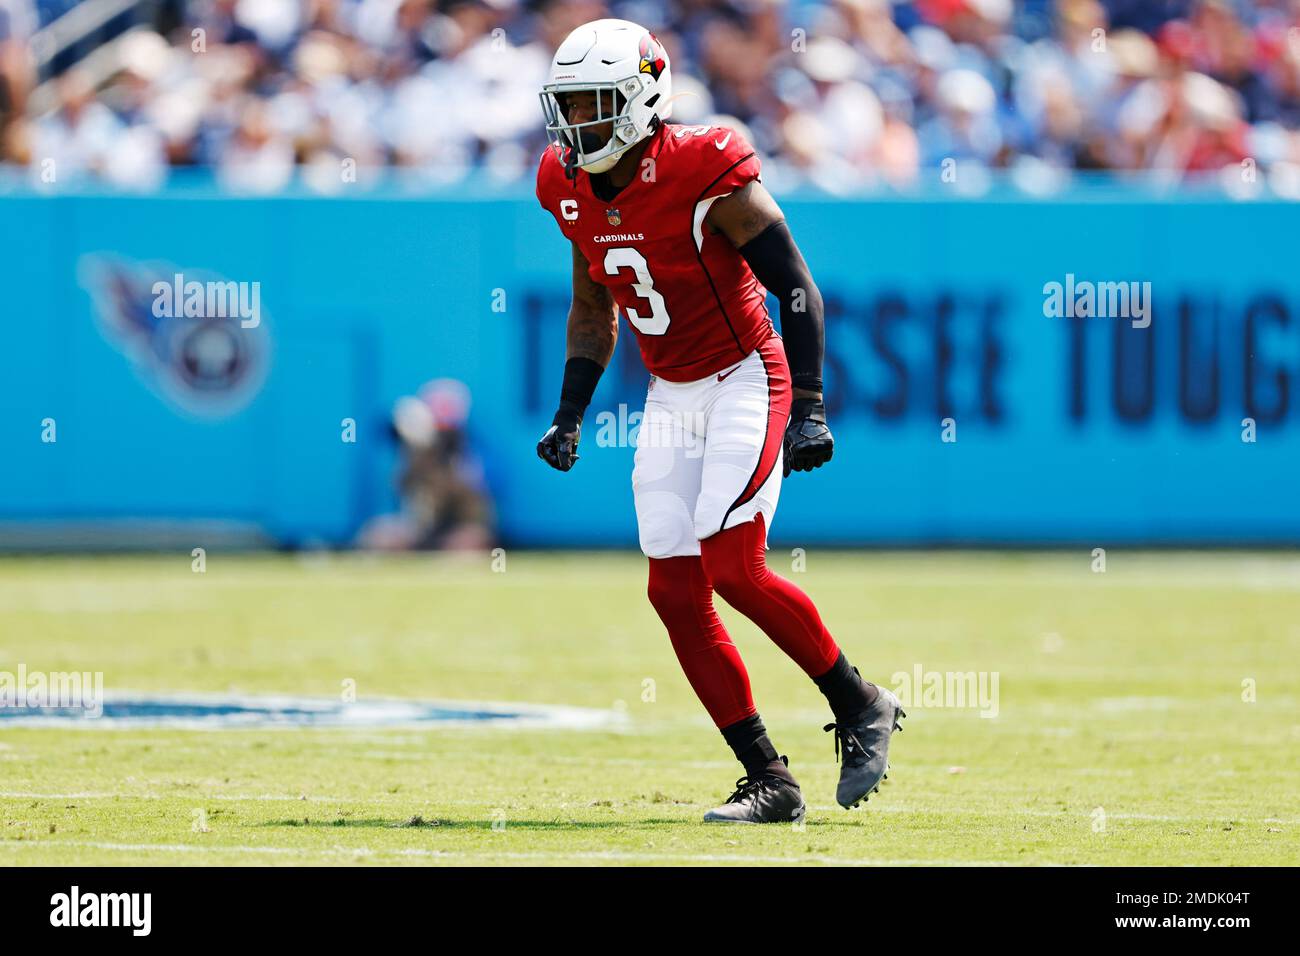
{"points": [[559, 446], [808, 440]]}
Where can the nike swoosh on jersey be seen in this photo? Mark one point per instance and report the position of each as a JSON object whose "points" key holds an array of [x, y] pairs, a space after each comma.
{"points": [[722, 143], [722, 375]]}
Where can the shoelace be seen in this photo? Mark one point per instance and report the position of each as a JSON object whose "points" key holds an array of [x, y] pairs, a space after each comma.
{"points": [[850, 740], [745, 786]]}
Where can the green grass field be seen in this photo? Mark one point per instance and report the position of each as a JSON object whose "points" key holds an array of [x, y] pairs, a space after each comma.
{"points": [[1119, 690]]}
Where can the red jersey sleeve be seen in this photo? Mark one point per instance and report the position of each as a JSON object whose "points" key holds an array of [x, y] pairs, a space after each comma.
{"points": [[728, 162], [547, 190]]}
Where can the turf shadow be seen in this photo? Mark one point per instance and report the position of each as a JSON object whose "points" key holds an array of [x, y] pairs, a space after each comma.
{"points": [[376, 823]]}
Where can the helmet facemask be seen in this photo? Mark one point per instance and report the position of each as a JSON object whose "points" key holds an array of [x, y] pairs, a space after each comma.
{"points": [[579, 144]]}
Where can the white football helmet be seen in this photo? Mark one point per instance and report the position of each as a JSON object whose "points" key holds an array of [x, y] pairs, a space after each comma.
{"points": [[614, 56]]}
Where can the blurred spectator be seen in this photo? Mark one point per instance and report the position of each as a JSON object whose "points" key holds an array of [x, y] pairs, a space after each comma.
{"points": [[17, 24], [838, 93], [445, 503]]}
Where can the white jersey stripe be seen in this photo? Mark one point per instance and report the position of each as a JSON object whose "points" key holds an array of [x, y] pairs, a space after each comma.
{"points": [[702, 210]]}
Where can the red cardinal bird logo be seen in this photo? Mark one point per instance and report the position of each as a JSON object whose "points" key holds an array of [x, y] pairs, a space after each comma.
{"points": [[652, 58]]}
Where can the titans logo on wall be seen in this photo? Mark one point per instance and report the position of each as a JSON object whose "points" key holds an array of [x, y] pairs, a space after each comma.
{"points": [[199, 340]]}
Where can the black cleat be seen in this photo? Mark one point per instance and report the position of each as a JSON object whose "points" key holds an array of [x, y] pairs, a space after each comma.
{"points": [[765, 799], [862, 748]]}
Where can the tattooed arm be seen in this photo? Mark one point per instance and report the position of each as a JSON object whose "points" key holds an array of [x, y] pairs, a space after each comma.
{"points": [[742, 215], [593, 317], [590, 338]]}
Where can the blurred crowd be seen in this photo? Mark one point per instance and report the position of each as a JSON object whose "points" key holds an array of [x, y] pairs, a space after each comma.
{"points": [[839, 93]]}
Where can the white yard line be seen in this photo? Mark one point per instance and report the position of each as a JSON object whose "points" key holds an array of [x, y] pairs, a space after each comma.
{"points": [[1078, 815], [603, 855], [198, 797]]}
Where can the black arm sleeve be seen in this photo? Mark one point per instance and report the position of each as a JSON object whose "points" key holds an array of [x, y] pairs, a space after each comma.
{"points": [[581, 375], [778, 264]]}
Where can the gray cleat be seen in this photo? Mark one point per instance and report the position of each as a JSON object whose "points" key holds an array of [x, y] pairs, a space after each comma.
{"points": [[862, 747], [765, 799]]}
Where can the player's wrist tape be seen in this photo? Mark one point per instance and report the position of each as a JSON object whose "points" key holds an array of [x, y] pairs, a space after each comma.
{"points": [[581, 376]]}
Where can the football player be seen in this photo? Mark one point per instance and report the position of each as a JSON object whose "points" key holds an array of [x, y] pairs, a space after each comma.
{"points": [[672, 225]]}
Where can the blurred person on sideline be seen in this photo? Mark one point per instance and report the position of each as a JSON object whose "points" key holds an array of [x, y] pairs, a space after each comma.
{"points": [[445, 502]]}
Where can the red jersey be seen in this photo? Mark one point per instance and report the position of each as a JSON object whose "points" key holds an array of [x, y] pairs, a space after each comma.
{"points": [[689, 295]]}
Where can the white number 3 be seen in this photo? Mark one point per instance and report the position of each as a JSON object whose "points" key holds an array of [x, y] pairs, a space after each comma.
{"points": [[628, 258]]}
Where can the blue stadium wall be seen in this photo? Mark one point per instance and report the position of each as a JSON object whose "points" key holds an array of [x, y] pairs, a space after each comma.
{"points": [[1085, 431]]}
